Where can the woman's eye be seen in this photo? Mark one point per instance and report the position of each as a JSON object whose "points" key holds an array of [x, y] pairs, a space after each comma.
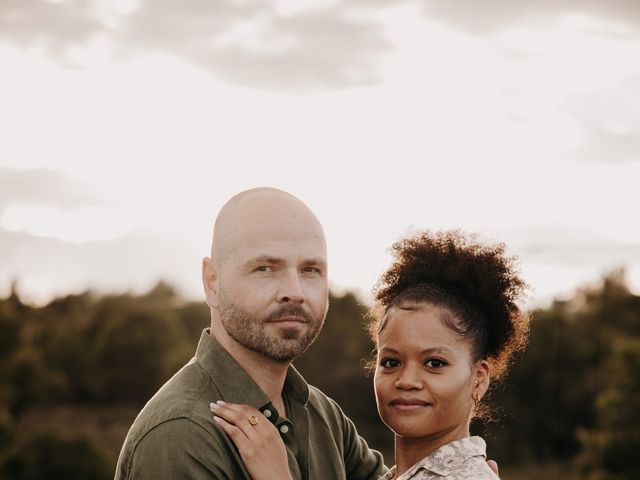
{"points": [[389, 363], [435, 363]]}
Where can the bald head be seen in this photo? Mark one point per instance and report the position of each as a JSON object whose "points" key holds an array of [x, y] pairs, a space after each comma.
{"points": [[266, 281], [262, 213]]}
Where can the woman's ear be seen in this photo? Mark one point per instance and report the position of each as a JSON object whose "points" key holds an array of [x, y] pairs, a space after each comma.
{"points": [[481, 379]]}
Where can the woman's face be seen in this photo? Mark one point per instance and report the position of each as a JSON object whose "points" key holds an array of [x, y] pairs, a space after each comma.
{"points": [[425, 377]]}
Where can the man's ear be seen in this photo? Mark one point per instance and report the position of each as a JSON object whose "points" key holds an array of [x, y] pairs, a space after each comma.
{"points": [[210, 282]]}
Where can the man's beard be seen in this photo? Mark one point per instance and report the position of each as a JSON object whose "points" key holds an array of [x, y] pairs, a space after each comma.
{"points": [[284, 344]]}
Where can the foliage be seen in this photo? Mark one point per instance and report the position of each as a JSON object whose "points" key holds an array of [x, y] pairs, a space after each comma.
{"points": [[574, 394], [50, 455], [571, 400], [610, 448]]}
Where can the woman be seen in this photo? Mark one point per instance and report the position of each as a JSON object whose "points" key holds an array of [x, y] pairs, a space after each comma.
{"points": [[446, 322]]}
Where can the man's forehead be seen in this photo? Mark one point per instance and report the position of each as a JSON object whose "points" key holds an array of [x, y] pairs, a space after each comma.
{"points": [[303, 249], [278, 231], [268, 228], [267, 223]]}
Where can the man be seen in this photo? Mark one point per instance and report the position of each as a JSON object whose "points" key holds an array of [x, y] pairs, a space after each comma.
{"points": [[266, 284]]}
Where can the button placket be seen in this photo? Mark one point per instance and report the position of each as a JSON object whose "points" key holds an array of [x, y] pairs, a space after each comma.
{"points": [[286, 430], [270, 413]]}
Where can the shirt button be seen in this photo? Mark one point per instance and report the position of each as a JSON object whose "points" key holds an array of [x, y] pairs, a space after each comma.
{"points": [[284, 429], [267, 413]]}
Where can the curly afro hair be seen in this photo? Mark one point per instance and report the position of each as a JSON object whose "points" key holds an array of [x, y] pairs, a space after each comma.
{"points": [[475, 281]]}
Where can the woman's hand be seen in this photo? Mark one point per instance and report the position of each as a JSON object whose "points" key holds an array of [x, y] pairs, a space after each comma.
{"points": [[257, 439], [493, 465]]}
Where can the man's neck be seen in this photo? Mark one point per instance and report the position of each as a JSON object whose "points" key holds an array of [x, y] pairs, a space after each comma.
{"points": [[267, 373]]}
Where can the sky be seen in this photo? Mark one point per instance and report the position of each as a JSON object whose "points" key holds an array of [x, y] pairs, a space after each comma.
{"points": [[126, 124]]}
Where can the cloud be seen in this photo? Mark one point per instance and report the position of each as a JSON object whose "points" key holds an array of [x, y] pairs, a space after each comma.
{"points": [[604, 254], [606, 147], [56, 25], [610, 119], [49, 203], [45, 267], [493, 15], [41, 186], [575, 247], [248, 43]]}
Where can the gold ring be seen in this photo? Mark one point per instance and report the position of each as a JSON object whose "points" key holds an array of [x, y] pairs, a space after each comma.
{"points": [[253, 420]]}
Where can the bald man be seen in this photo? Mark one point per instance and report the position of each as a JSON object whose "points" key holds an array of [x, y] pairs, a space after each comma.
{"points": [[266, 285]]}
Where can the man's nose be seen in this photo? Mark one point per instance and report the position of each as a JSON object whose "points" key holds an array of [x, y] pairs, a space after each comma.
{"points": [[291, 288]]}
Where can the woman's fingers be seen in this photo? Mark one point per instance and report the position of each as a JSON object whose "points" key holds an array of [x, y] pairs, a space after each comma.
{"points": [[235, 433], [249, 420], [493, 465], [231, 413], [257, 439]]}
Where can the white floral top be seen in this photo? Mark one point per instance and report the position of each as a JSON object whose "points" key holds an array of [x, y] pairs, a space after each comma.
{"points": [[459, 460]]}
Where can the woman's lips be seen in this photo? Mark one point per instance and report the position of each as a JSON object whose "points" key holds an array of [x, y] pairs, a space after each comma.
{"points": [[409, 403]]}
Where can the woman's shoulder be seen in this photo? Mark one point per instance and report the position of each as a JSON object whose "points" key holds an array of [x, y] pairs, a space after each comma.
{"points": [[467, 460], [462, 459], [474, 468]]}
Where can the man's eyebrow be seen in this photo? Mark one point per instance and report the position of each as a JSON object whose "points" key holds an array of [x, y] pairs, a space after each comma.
{"points": [[271, 260], [318, 262], [267, 259]]}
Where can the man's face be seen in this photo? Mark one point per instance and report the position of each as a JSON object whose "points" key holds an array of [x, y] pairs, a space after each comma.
{"points": [[272, 284]]}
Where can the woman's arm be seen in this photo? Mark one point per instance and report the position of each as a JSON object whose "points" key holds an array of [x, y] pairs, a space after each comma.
{"points": [[257, 439]]}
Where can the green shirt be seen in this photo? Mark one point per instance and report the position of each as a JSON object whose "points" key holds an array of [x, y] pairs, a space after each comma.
{"points": [[175, 437]]}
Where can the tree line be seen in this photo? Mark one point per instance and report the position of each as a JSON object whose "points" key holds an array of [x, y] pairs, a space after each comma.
{"points": [[74, 373]]}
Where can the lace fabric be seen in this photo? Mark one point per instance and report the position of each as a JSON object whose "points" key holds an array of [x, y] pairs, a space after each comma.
{"points": [[462, 459]]}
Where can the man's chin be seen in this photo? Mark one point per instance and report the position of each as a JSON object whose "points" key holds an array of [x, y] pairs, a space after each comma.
{"points": [[286, 349], [283, 356], [291, 334]]}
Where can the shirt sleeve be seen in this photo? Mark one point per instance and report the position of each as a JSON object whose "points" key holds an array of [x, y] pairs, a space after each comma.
{"points": [[180, 448], [360, 461]]}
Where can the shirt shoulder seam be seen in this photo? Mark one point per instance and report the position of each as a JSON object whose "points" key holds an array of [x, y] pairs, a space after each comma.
{"points": [[159, 424]]}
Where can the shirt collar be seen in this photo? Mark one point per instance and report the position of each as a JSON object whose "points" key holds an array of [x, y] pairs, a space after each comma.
{"points": [[446, 459], [296, 387], [235, 385]]}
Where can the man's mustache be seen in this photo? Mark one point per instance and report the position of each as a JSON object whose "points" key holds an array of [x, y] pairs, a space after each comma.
{"points": [[289, 311]]}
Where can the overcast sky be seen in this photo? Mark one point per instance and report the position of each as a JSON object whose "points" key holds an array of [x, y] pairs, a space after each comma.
{"points": [[125, 125]]}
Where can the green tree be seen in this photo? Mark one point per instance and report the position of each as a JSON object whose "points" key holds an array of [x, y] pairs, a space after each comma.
{"points": [[610, 448], [553, 402], [49, 455]]}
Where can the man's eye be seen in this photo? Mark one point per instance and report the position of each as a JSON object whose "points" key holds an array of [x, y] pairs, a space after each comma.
{"points": [[435, 363], [315, 270], [264, 268], [389, 363]]}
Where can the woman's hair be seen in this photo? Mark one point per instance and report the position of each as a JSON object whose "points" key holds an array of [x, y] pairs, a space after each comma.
{"points": [[476, 282]]}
